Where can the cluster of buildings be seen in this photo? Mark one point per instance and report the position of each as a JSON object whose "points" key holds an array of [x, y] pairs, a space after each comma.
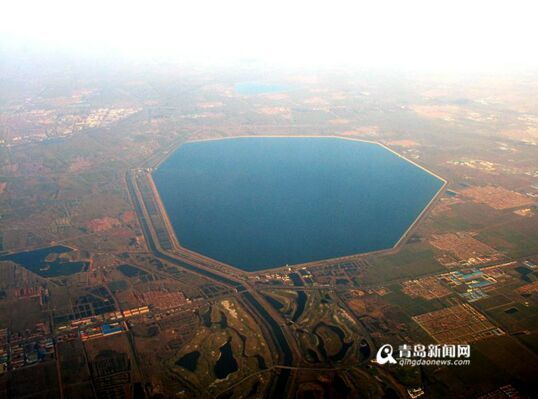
{"points": [[103, 330], [275, 277], [99, 326], [24, 349], [39, 292], [473, 280], [44, 124], [164, 300]]}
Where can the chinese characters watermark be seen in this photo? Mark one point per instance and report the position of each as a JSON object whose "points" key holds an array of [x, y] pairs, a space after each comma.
{"points": [[418, 354]]}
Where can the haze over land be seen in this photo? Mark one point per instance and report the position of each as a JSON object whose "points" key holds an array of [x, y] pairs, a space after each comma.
{"points": [[102, 295], [417, 34]]}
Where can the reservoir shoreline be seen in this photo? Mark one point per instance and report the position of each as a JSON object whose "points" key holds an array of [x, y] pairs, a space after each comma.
{"points": [[222, 266]]}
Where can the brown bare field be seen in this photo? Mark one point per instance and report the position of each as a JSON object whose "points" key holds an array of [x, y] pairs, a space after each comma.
{"points": [[163, 299], [372, 130], [462, 245], [497, 197], [526, 212], [280, 111], [444, 112], [528, 288], [103, 224], [457, 324], [79, 164], [427, 288], [128, 217], [528, 135], [383, 321], [445, 205], [403, 143]]}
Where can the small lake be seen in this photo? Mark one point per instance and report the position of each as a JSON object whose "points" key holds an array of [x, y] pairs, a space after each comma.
{"points": [[38, 262], [257, 203], [189, 361], [301, 303], [226, 364]]}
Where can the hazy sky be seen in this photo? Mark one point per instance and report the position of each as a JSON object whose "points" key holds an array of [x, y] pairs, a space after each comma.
{"points": [[408, 32]]}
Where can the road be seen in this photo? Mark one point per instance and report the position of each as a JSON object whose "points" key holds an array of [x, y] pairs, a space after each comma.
{"points": [[264, 315]]}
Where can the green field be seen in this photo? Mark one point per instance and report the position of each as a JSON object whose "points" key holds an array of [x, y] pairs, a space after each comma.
{"points": [[411, 261], [412, 306], [517, 239]]}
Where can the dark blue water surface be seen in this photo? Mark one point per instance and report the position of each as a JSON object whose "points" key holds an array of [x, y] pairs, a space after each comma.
{"points": [[257, 203], [36, 262]]}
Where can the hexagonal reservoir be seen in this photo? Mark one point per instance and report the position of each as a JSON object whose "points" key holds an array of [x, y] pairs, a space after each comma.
{"points": [[262, 202]]}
